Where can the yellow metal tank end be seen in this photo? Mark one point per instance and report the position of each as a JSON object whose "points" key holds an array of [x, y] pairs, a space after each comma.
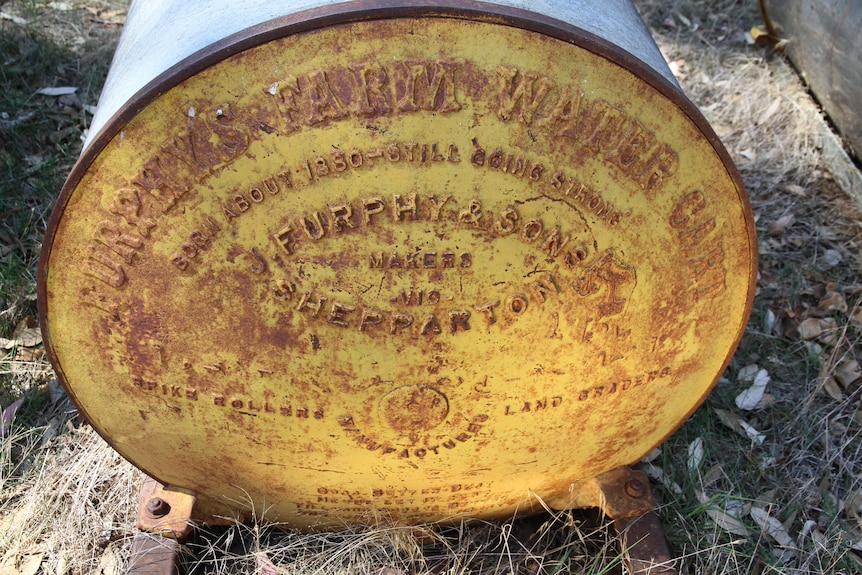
{"points": [[372, 269]]}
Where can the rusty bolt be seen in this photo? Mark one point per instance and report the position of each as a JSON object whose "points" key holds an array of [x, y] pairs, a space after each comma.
{"points": [[635, 488], [158, 507]]}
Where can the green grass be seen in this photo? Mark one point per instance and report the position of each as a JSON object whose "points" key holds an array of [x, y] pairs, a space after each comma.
{"points": [[32, 167], [40, 138]]}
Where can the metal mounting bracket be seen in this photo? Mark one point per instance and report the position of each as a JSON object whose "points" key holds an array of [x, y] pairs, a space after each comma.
{"points": [[164, 519]]}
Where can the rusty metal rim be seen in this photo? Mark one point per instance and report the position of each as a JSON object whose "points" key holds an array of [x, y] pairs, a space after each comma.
{"points": [[366, 10]]}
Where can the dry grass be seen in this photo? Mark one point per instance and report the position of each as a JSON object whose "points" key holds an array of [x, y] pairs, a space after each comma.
{"points": [[76, 508], [786, 501]]}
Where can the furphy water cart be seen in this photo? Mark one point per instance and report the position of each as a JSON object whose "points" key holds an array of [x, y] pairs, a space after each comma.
{"points": [[394, 261]]}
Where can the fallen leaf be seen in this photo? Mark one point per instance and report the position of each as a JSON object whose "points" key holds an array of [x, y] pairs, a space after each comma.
{"points": [[771, 526], [728, 418], [819, 538], [110, 16], [56, 391], [810, 328], [57, 91], [806, 528], [25, 355], [768, 113], [856, 317], [25, 327], [109, 564], [779, 226], [30, 337], [652, 455], [756, 436], [682, 18], [657, 473], [848, 372], [676, 68], [740, 426], [829, 333], [831, 387], [769, 321], [747, 373], [853, 506], [7, 416], [695, 454], [833, 301], [748, 155], [30, 564], [750, 398], [766, 401], [265, 565], [15, 19], [832, 258], [724, 518], [50, 432], [712, 475], [784, 556], [795, 189]]}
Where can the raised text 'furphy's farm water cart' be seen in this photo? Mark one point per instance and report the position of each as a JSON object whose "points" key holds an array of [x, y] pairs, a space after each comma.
{"points": [[394, 261]]}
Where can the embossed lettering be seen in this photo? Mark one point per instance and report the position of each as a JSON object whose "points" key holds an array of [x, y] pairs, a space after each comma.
{"points": [[369, 317], [341, 214], [472, 215], [306, 302], [371, 206], [286, 95], [488, 308], [544, 287], [324, 105], [313, 225], [459, 318], [687, 207], [611, 273], [555, 242], [399, 321], [104, 268], [401, 206], [284, 238], [93, 297], [437, 205], [517, 304], [426, 86], [524, 90], [371, 79], [338, 314], [122, 244], [127, 204], [430, 325], [157, 178], [700, 244], [564, 116]]}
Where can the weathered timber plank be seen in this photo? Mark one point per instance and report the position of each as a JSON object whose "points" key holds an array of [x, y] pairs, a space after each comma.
{"points": [[824, 42]]}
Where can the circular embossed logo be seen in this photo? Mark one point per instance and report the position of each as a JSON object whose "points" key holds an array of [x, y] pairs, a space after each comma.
{"points": [[414, 408]]}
